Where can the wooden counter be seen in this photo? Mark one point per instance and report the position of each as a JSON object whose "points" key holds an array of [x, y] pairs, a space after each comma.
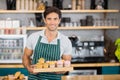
{"points": [[11, 66], [92, 77], [73, 65], [95, 64]]}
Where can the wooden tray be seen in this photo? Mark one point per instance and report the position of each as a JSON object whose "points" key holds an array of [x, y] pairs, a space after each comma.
{"points": [[53, 69]]}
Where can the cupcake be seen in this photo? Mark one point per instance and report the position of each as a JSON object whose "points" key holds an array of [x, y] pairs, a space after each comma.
{"points": [[67, 63], [59, 63], [41, 60], [45, 65], [52, 64], [39, 65]]}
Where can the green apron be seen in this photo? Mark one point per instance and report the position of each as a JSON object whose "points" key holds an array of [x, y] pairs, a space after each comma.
{"points": [[49, 52]]}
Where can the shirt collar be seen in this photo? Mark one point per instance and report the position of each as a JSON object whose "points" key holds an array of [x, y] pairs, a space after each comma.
{"points": [[43, 35]]}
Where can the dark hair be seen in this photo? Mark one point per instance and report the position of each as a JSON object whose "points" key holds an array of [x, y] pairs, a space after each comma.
{"points": [[50, 10]]}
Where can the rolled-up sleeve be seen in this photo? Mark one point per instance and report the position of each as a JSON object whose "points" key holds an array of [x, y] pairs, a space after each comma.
{"points": [[29, 42], [67, 47]]}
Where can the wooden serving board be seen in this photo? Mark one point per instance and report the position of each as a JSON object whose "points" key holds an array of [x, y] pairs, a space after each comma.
{"points": [[53, 69]]}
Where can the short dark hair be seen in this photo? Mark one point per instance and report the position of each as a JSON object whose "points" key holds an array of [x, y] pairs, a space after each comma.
{"points": [[50, 10]]}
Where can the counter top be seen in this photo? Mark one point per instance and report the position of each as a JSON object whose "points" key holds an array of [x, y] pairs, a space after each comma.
{"points": [[73, 65], [95, 64], [92, 77]]}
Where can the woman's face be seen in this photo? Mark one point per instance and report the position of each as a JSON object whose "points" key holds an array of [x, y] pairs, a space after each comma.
{"points": [[52, 21]]}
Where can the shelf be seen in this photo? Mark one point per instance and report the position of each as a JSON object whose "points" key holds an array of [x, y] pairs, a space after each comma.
{"points": [[90, 11], [76, 28], [69, 28], [63, 11], [73, 65], [21, 11]]}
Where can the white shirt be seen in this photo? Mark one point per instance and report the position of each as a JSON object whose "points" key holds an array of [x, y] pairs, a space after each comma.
{"points": [[65, 43]]}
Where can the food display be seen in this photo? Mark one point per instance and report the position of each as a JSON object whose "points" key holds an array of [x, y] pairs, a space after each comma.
{"points": [[52, 66], [17, 76]]}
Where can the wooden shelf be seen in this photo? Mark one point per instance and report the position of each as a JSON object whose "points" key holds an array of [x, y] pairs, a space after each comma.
{"points": [[73, 65], [63, 11], [90, 11], [76, 28], [21, 11], [69, 28]]}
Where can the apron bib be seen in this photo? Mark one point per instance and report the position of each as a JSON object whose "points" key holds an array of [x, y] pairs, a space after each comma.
{"points": [[49, 52]]}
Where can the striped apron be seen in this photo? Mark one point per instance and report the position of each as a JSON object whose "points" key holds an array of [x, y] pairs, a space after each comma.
{"points": [[49, 52]]}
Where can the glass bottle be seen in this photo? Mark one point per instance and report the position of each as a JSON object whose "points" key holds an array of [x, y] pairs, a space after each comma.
{"points": [[92, 4]]}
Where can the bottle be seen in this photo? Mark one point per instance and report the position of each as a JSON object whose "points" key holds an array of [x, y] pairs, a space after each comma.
{"points": [[58, 3], [46, 4], [105, 5], [92, 4], [73, 4], [55, 3]]}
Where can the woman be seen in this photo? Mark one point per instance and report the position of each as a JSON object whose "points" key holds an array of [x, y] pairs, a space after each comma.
{"points": [[48, 44]]}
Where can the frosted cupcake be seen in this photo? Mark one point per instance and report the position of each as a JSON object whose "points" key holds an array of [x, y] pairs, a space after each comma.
{"points": [[45, 65], [67, 63], [39, 65], [52, 64], [59, 63], [41, 60]]}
